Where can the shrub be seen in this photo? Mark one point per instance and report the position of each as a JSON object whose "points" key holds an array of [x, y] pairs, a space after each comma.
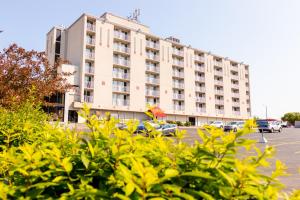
{"points": [[179, 123], [188, 124], [108, 163]]}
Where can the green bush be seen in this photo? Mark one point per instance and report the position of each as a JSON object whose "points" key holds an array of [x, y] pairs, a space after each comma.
{"points": [[108, 163], [188, 124], [179, 123]]}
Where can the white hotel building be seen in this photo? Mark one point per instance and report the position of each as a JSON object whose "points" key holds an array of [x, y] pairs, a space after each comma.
{"points": [[121, 67]]}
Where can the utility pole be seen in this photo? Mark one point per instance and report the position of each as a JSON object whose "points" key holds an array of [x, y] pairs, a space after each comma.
{"points": [[266, 112]]}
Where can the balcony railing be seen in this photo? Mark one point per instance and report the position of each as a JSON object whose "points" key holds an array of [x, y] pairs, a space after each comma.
{"points": [[219, 102], [90, 41], [121, 75], [200, 89], [235, 86], [236, 95], [178, 74], [177, 62], [200, 99], [199, 58], [154, 93], [88, 99], [178, 85], [200, 110], [178, 52], [152, 103], [152, 57], [122, 62], [220, 92], [218, 63], [220, 111], [90, 55], [152, 68], [178, 96], [235, 76], [119, 88], [218, 82], [236, 112], [200, 79], [89, 84], [152, 80], [178, 107], [120, 102], [89, 70], [200, 68], [218, 73], [90, 27], [152, 45], [121, 36], [121, 48], [236, 104]]}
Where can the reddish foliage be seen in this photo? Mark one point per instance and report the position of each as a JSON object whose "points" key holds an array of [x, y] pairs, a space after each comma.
{"points": [[26, 73]]}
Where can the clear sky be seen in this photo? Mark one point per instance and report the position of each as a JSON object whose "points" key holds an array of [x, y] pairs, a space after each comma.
{"points": [[263, 33]]}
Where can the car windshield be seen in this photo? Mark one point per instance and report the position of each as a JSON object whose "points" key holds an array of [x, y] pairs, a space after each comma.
{"points": [[232, 123], [262, 122]]}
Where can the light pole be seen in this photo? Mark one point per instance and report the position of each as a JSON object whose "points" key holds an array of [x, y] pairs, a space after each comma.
{"points": [[263, 139]]}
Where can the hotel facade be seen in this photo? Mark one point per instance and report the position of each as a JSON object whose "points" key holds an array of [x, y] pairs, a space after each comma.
{"points": [[120, 67]]}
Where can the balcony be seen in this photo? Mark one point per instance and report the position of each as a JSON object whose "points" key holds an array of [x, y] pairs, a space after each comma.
{"points": [[122, 49], [89, 84], [152, 103], [178, 96], [152, 45], [199, 59], [90, 27], [199, 89], [151, 56], [235, 104], [120, 102], [200, 79], [178, 63], [89, 70], [219, 101], [220, 111], [90, 55], [153, 93], [199, 68], [235, 86], [119, 88], [121, 75], [152, 68], [178, 107], [121, 36], [236, 113], [235, 95], [218, 73], [88, 99], [178, 52], [90, 41], [200, 110], [121, 62], [235, 76], [178, 74], [152, 80], [200, 99], [220, 92], [218, 63], [178, 85], [219, 82]]}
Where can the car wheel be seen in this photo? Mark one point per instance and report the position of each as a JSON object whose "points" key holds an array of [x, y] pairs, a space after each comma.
{"points": [[280, 129], [260, 130], [221, 127], [272, 130], [234, 130]]}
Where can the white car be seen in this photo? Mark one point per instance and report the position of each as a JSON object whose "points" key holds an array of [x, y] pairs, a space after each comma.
{"points": [[217, 124], [269, 126], [234, 126]]}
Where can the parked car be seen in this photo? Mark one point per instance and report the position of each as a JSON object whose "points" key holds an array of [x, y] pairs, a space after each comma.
{"points": [[270, 126], [142, 128], [217, 124], [234, 126], [284, 124], [168, 129]]}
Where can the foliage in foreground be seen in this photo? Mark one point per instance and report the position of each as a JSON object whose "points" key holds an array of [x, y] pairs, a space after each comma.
{"points": [[49, 162]]}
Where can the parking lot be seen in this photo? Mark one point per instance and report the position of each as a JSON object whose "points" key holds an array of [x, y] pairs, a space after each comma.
{"points": [[287, 144]]}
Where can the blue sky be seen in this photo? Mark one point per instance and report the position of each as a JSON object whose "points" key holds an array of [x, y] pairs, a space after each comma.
{"points": [[265, 34]]}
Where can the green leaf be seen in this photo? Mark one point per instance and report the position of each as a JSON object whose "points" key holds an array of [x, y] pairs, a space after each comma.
{"points": [[67, 164], [58, 178], [129, 188], [171, 172], [85, 160]]}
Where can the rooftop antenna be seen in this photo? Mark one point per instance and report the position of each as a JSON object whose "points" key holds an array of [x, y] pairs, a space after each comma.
{"points": [[135, 15]]}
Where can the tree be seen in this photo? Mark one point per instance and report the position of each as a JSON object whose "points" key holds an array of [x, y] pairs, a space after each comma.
{"points": [[291, 117], [24, 73]]}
